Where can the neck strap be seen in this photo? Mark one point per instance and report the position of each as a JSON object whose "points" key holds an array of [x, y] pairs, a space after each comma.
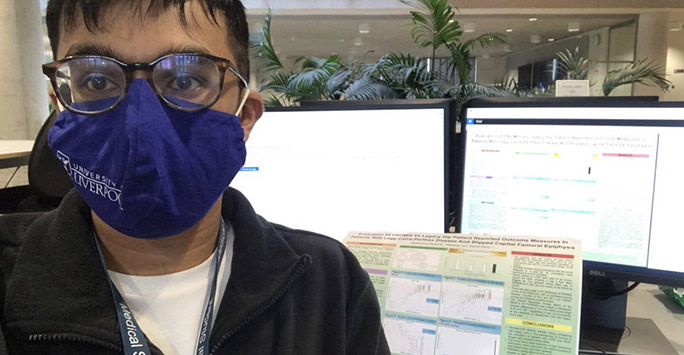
{"points": [[134, 342]]}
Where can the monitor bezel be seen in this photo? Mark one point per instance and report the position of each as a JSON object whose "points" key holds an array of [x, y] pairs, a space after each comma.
{"points": [[450, 122], [590, 268]]}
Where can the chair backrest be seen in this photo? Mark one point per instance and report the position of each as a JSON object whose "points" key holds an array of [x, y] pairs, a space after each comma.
{"points": [[46, 173]]}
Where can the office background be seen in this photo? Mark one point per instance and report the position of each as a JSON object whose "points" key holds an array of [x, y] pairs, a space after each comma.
{"points": [[609, 32]]}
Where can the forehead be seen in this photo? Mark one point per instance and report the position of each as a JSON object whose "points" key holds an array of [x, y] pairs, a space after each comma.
{"points": [[132, 35]]}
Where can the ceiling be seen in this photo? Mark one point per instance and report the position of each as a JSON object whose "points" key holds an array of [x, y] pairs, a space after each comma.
{"points": [[322, 35]]}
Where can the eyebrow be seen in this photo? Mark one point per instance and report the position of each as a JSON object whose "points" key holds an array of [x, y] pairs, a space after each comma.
{"points": [[106, 51], [91, 49]]}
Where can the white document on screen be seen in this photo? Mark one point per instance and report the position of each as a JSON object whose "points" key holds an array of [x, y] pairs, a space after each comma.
{"points": [[471, 294], [331, 172], [564, 182]]}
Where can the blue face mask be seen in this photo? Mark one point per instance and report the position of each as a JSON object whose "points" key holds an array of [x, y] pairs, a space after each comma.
{"points": [[146, 169]]}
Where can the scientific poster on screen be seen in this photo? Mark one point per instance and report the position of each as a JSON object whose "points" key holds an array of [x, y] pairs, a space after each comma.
{"points": [[471, 294]]}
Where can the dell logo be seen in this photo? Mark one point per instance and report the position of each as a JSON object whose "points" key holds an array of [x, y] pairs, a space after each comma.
{"points": [[597, 273]]}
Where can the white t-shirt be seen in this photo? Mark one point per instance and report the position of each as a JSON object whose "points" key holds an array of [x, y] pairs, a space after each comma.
{"points": [[169, 308]]}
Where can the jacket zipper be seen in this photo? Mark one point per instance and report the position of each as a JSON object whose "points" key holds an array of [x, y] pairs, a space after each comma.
{"points": [[265, 306], [82, 339], [76, 338]]}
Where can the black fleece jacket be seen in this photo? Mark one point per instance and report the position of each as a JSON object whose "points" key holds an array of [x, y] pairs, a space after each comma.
{"points": [[290, 291]]}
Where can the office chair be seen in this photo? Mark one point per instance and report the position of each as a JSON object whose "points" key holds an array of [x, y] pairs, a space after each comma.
{"points": [[48, 180]]}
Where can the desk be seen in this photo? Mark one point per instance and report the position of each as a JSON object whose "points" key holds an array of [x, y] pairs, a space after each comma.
{"points": [[15, 153], [654, 324], [647, 301]]}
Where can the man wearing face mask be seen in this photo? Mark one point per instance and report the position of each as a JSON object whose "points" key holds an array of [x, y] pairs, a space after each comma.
{"points": [[152, 252]]}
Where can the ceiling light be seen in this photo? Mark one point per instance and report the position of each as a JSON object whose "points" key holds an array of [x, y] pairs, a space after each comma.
{"points": [[535, 38], [292, 38], [509, 30], [364, 28], [358, 41], [551, 39], [573, 27], [532, 19], [468, 27], [341, 40], [675, 26]]}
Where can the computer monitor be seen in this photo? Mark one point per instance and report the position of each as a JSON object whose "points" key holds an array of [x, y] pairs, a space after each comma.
{"points": [[334, 168], [606, 171], [611, 175]]}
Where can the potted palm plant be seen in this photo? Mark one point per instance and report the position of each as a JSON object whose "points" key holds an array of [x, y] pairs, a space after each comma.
{"points": [[395, 75], [641, 71]]}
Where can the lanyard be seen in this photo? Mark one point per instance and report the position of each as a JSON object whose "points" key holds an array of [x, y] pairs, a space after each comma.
{"points": [[134, 342]]}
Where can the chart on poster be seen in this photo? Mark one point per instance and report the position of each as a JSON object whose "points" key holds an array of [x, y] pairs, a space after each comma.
{"points": [[470, 294]]}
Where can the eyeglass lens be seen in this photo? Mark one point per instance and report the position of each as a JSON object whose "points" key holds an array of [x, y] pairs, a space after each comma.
{"points": [[90, 84], [187, 81], [96, 84]]}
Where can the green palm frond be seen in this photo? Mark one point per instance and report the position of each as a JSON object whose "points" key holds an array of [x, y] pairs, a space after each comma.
{"points": [[339, 80], [274, 101], [434, 23], [460, 53], [474, 90], [404, 69], [466, 92], [310, 84], [508, 83], [440, 89], [285, 85], [641, 71], [316, 71], [573, 64], [407, 75], [367, 89], [309, 61], [278, 82], [401, 60], [459, 61], [265, 51]]}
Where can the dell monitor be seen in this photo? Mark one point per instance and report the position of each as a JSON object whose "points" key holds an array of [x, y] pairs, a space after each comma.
{"points": [[334, 168], [610, 174]]}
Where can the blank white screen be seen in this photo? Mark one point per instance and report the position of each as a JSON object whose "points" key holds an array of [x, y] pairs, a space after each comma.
{"points": [[332, 172]]}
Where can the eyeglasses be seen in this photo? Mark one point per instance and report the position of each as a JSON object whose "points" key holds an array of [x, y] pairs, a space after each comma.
{"points": [[96, 84]]}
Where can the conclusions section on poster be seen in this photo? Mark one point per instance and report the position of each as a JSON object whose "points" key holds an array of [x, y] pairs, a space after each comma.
{"points": [[472, 294]]}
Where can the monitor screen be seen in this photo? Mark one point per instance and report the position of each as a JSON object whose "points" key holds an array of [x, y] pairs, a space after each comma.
{"points": [[366, 167], [610, 176]]}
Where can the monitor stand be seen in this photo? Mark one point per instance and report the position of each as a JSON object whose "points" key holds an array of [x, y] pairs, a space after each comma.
{"points": [[605, 326]]}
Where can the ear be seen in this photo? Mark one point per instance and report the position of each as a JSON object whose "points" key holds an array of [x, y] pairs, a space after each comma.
{"points": [[54, 100], [251, 112]]}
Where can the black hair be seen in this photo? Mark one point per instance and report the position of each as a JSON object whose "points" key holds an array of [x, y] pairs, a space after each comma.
{"points": [[63, 13]]}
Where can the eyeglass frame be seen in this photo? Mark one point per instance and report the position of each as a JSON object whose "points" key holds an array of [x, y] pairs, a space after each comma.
{"points": [[223, 65]]}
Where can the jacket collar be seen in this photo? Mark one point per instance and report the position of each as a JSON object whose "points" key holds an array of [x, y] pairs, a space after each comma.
{"points": [[60, 286]]}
